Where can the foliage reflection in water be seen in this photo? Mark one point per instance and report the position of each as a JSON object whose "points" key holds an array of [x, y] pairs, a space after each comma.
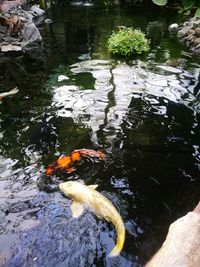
{"points": [[143, 114]]}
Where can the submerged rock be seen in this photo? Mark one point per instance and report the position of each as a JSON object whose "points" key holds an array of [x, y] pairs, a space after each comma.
{"points": [[156, 29], [59, 239]]}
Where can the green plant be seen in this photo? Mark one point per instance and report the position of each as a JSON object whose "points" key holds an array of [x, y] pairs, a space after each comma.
{"points": [[187, 5], [127, 41], [160, 2]]}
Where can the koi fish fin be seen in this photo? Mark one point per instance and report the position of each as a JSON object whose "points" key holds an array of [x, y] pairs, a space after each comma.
{"points": [[77, 209], [116, 250], [70, 169], [93, 186], [14, 91], [81, 181]]}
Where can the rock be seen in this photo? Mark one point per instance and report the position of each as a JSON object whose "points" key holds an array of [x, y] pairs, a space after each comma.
{"points": [[197, 51], [25, 14], [10, 47], [197, 41], [36, 11], [7, 5], [173, 27], [62, 78], [27, 34], [183, 32], [189, 34], [182, 245], [189, 39], [198, 32], [48, 21], [33, 51], [196, 23], [188, 24], [31, 34]]}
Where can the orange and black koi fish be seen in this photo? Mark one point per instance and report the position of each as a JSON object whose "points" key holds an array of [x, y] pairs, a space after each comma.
{"points": [[66, 162]]}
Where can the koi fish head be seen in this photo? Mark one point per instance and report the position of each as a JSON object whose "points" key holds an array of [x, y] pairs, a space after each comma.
{"points": [[71, 188]]}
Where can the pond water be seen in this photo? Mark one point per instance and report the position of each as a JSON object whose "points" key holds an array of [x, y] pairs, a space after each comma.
{"points": [[143, 113]]}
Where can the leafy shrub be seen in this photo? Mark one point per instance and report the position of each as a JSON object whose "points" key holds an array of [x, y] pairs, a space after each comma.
{"points": [[190, 5], [127, 41]]}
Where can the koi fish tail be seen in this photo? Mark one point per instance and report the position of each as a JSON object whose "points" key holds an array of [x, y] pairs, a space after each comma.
{"points": [[119, 245], [116, 250], [90, 153]]}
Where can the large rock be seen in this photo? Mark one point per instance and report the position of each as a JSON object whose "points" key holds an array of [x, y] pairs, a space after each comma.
{"points": [[189, 35], [182, 245], [30, 33], [26, 35]]}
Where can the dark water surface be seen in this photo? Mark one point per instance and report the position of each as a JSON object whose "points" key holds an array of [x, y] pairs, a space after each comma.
{"points": [[143, 114]]}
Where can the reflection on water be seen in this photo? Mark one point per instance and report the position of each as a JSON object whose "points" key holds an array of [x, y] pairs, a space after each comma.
{"points": [[143, 113], [104, 108]]}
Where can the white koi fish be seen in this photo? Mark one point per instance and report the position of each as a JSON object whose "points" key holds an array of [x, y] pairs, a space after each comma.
{"points": [[83, 195], [12, 92]]}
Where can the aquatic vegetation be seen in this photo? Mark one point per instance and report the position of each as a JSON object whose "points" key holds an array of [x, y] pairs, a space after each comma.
{"points": [[127, 41], [66, 162], [188, 6], [82, 194]]}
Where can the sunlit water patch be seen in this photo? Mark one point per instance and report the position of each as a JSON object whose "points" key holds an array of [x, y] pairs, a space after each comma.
{"points": [[103, 107]]}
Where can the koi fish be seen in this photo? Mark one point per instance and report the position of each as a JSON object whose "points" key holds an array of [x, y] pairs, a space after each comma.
{"points": [[12, 92], [66, 162], [83, 195]]}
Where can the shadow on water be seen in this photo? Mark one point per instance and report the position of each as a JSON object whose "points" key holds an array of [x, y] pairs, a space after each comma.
{"points": [[143, 114]]}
